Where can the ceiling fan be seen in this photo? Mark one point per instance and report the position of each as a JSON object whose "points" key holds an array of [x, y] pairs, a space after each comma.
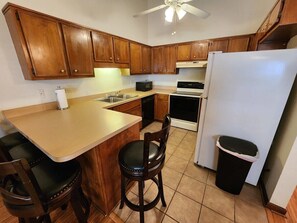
{"points": [[179, 6]]}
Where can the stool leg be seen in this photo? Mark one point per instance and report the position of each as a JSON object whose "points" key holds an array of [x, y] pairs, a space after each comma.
{"points": [[123, 191], [161, 189], [141, 202], [77, 207]]}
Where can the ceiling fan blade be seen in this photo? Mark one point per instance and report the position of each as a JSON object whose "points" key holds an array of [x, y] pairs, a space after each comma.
{"points": [[150, 10], [187, 1], [195, 11]]}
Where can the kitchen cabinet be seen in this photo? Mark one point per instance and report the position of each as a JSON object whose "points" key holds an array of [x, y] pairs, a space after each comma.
{"points": [[192, 51], [279, 26], [164, 59], [110, 51], [140, 59], [102, 47], [121, 50], [218, 45], [132, 108], [238, 44], [79, 50], [161, 106], [40, 46]]}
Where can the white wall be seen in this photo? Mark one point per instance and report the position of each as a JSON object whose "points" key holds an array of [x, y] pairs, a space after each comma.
{"points": [[228, 18]]}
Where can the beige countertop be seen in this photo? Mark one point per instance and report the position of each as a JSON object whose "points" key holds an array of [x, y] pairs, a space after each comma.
{"points": [[66, 134]]}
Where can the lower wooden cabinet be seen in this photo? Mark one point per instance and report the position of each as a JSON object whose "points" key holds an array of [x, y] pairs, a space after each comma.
{"points": [[132, 108], [161, 106]]}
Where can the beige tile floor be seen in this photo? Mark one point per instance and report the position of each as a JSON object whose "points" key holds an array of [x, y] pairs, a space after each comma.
{"points": [[190, 190]]}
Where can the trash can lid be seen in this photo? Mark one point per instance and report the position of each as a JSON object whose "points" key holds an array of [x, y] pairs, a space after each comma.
{"points": [[238, 147]]}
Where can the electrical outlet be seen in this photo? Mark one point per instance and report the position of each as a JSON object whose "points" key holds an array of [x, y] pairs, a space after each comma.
{"points": [[41, 93]]}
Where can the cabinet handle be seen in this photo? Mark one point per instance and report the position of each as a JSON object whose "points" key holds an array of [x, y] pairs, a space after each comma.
{"points": [[62, 71], [110, 58], [75, 71], [118, 59], [194, 56]]}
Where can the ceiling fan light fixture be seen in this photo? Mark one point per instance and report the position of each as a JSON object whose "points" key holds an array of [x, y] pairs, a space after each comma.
{"points": [[180, 12], [169, 14]]}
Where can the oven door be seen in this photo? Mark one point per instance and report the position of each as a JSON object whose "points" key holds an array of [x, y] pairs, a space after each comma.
{"points": [[184, 107]]}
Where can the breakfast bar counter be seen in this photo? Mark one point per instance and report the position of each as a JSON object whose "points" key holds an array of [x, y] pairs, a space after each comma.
{"points": [[90, 134]]}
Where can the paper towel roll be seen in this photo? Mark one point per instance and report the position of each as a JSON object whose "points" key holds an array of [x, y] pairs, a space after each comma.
{"points": [[61, 99]]}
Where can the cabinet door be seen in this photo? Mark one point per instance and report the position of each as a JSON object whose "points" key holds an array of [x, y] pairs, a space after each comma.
{"points": [[170, 59], [161, 106], [146, 60], [45, 46], [275, 14], [158, 60], [102, 47], [135, 58], [199, 50], [218, 45], [121, 50], [79, 50], [238, 44], [184, 52]]}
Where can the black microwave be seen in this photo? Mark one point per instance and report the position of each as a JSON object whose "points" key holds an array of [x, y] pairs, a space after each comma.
{"points": [[144, 86]]}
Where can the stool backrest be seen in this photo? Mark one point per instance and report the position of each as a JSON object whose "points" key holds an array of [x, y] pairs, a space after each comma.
{"points": [[161, 137], [19, 171]]}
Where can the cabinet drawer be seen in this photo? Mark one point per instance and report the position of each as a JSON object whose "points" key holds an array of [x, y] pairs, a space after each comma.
{"points": [[163, 97]]}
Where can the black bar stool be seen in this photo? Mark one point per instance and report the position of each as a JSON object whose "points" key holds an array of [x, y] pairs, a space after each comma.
{"points": [[142, 160], [16, 146], [32, 193]]}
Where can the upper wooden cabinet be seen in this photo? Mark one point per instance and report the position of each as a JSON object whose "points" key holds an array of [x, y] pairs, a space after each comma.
{"points": [[238, 44], [121, 50], [199, 50], [140, 59], [110, 51], [279, 26], [164, 59], [218, 45], [192, 51], [40, 46], [103, 47], [79, 50]]}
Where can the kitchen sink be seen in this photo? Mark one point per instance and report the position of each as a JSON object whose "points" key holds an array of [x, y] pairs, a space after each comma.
{"points": [[116, 98]]}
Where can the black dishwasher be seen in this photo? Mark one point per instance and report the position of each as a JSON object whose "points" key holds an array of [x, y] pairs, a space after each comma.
{"points": [[147, 104]]}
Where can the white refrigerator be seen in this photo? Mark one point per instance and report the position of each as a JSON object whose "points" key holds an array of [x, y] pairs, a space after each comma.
{"points": [[244, 96]]}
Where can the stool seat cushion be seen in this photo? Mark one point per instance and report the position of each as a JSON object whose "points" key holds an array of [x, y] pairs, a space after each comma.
{"points": [[53, 178], [12, 140], [27, 151], [131, 155]]}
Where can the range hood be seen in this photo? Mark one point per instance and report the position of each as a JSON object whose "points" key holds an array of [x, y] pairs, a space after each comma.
{"points": [[190, 64]]}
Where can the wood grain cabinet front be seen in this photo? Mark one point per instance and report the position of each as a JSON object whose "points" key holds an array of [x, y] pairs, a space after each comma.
{"points": [[161, 106], [218, 45], [40, 46], [140, 59], [79, 50], [102, 47], [238, 44], [164, 59], [121, 50]]}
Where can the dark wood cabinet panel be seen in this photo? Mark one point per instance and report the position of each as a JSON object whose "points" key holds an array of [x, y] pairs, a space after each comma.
{"points": [[135, 58], [161, 106], [79, 50], [140, 59], [146, 59], [121, 50], [164, 59], [170, 59], [199, 50], [184, 52], [158, 60], [102, 47], [45, 46], [218, 45], [238, 44]]}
